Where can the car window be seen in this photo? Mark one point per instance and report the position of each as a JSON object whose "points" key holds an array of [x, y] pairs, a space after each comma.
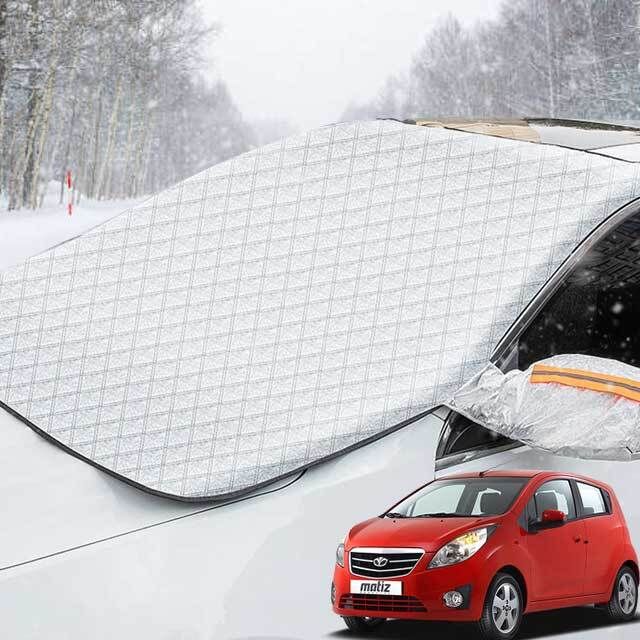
{"points": [[462, 497], [555, 494], [442, 499], [578, 317], [592, 499]]}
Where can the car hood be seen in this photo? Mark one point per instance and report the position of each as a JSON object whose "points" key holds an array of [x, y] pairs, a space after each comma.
{"points": [[426, 533]]}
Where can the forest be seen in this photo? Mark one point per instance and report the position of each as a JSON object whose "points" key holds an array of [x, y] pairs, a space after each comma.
{"points": [[112, 90], [575, 59], [107, 89]]}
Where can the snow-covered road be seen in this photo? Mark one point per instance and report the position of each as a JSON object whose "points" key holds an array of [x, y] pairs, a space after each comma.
{"points": [[27, 233]]}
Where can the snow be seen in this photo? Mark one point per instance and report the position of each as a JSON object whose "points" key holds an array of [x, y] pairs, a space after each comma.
{"points": [[26, 233]]}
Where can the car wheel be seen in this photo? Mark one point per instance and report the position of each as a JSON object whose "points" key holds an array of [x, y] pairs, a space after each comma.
{"points": [[624, 599], [502, 611], [362, 624]]}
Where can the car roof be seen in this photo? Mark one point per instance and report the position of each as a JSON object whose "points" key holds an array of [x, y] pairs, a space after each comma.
{"points": [[583, 135], [527, 473], [517, 473], [496, 473]]}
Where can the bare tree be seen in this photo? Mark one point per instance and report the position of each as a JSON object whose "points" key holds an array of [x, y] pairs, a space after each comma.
{"points": [[109, 89], [549, 58]]}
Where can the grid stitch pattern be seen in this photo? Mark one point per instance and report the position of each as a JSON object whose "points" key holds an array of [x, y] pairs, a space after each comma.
{"points": [[294, 301]]}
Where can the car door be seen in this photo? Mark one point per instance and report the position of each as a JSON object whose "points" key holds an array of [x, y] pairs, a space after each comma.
{"points": [[604, 532], [557, 551]]}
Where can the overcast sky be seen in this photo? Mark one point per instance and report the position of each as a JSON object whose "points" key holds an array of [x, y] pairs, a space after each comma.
{"points": [[305, 60]]}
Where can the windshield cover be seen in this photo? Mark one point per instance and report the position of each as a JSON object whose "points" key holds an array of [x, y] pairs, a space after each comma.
{"points": [[290, 304], [461, 497]]}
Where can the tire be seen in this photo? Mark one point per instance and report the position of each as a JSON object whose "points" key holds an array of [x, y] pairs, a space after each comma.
{"points": [[624, 598], [503, 609], [362, 625]]}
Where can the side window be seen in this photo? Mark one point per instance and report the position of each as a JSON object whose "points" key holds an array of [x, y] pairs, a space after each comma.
{"points": [[555, 494], [577, 318], [592, 499]]}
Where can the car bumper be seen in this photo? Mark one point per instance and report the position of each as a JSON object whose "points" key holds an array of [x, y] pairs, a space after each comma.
{"points": [[422, 593]]}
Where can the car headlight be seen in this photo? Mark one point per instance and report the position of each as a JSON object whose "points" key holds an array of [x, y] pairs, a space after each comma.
{"points": [[340, 554], [461, 548]]}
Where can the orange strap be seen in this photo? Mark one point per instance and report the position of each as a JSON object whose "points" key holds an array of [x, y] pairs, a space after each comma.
{"points": [[616, 385]]}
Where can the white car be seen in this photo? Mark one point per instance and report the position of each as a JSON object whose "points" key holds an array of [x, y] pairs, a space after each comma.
{"points": [[460, 228]]}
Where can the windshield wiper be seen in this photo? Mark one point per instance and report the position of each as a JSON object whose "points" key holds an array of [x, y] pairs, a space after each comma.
{"points": [[394, 514], [440, 514]]}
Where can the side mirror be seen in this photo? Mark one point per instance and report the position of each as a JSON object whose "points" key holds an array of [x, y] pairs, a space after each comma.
{"points": [[553, 516], [550, 518]]}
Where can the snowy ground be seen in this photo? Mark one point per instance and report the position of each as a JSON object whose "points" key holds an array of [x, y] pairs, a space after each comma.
{"points": [[96, 558], [26, 233]]}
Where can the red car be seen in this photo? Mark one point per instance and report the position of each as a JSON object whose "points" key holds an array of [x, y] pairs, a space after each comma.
{"points": [[487, 548]]}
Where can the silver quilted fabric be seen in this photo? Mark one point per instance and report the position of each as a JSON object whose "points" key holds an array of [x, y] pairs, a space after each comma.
{"points": [[292, 302], [561, 419]]}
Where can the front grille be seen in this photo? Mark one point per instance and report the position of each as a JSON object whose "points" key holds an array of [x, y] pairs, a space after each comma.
{"points": [[375, 602], [383, 563]]}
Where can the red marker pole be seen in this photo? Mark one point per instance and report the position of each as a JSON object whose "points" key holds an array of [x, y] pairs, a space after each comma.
{"points": [[69, 184]]}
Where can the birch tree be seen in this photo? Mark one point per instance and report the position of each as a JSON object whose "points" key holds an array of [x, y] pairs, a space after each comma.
{"points": [[111, 90]]}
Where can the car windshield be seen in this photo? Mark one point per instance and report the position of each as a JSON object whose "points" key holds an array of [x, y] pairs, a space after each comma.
{"points": [[460, 497]]}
